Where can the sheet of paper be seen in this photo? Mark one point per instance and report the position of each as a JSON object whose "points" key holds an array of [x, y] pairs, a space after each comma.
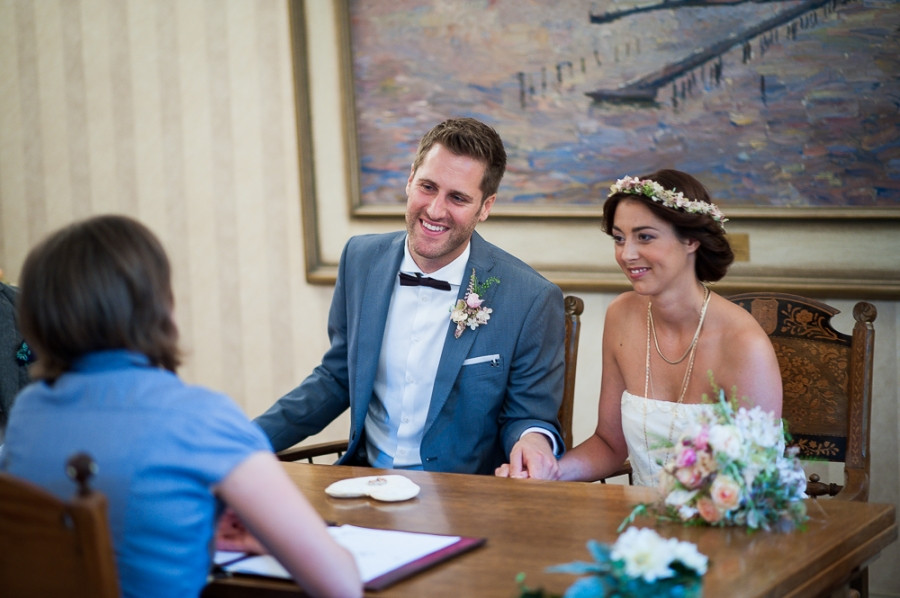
{"points": [[376, 551]]}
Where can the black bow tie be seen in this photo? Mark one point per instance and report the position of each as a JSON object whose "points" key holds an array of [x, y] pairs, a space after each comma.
{"points": [[408, 280]]}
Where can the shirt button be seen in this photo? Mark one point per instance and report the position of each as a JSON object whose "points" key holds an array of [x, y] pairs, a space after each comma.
{"points": [[405, 420]]}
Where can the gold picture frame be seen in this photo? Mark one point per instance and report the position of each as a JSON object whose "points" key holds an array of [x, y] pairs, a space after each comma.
{"points": [[815, 232]]}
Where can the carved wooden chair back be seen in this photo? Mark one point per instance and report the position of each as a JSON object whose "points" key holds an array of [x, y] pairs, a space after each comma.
{"points": [[51, 547], [827, 381]]}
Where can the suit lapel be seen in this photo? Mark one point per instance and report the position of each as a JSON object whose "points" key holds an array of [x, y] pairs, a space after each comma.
{"points": [[457, 349]]}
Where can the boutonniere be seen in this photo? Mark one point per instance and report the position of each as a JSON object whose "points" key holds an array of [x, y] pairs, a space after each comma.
{"points": [[470, 311]]}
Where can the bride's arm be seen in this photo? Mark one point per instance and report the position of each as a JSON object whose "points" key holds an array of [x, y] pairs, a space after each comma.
{"points": [[604, 452]]}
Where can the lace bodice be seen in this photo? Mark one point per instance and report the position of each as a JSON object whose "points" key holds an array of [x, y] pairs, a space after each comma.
{"points": [[654, 416]]}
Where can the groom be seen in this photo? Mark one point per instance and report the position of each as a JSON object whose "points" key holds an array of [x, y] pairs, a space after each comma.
{"points": [[426, 390]]}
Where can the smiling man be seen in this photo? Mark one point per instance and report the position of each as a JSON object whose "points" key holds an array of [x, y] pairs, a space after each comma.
{"points": [[447, 350]]}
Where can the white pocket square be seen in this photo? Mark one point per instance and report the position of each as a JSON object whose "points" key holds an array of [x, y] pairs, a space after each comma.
{"points": [[494, 359]]}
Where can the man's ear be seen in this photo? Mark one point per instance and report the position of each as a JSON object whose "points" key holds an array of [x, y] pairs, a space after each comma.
{"points": [[486, 206]]}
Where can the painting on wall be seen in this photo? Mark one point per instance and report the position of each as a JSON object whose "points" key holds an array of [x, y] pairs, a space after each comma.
{"points": [[781, 107]]}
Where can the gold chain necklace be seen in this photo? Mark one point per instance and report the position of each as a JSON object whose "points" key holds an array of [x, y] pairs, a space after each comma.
{"points": [[692, 351], [652, 328]]}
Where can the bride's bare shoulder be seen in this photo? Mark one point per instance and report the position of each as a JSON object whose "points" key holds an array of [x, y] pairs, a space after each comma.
{"points": [[624, 311], [626, 302]]}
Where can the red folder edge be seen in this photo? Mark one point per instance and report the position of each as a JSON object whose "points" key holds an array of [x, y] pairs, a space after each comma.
{"points": [[464, 544]]}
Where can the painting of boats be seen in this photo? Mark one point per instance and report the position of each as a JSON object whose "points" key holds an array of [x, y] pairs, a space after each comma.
{"points": [[771, 103]]}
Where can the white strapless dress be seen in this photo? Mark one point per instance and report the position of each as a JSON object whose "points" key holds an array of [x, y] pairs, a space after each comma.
{"points": [[655, 417]]}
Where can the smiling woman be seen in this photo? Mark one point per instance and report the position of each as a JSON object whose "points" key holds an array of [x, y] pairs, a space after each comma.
{"points": [[669, 244]]}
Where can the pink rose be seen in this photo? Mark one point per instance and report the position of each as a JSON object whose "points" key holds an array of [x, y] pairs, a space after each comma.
{"points": [[708, 510], [725, 492], [473, 301], [690, 477], [701, 440], [686, 457], [701, 466]]}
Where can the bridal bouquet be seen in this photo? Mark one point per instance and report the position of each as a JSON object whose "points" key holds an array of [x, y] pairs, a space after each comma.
{"points": [[730, 467], [640, 563]]}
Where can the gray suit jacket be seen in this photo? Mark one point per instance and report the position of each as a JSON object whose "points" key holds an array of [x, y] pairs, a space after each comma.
{"points": [[478, 411], [13, 368]]}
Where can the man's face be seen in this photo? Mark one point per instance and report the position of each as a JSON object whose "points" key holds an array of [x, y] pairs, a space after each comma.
{"points": [[443, 206]]}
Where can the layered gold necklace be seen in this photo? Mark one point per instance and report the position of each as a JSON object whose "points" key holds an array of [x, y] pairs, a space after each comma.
{"points": [[689, 353], [652, 329]]}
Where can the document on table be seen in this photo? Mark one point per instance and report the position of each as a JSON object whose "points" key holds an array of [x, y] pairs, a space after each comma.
{"points": [[382, 556]]}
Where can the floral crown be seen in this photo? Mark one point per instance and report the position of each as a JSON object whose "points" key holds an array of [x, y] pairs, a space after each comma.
{"points": [[669, 198]]}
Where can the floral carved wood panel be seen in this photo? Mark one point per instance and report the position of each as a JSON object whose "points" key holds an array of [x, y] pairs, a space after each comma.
{"points": [[814, 360]]}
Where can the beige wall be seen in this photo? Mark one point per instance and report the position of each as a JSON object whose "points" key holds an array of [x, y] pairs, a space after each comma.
{"points": [[181, 113]]}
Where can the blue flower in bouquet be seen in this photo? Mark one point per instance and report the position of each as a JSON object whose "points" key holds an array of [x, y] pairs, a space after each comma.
{"points": [[731, 467], [640, 563]]}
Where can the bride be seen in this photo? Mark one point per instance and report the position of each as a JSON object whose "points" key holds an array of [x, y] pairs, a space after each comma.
{"points": [[663, 340]]}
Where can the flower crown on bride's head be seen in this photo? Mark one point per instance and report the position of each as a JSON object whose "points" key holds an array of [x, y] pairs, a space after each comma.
{"points": [[669, 198]]}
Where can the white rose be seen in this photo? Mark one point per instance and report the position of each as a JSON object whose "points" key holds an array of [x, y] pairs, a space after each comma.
{"points": [[677, 498], [644, 554], [726, 439]]}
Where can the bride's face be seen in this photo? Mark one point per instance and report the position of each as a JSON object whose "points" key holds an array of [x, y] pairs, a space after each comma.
{"points": [[649, 251]]}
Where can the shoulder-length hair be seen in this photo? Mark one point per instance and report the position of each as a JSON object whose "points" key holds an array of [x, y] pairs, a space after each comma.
{"points": [[102, 283], [714, 255]]}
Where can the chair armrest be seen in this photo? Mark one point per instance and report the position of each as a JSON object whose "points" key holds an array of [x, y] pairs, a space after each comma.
{"points": [[336, 448], [856, 487], [624, 470]]}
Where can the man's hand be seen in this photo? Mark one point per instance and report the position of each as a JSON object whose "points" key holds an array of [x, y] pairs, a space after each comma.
{"points": [[232, 535], [531, 457]]}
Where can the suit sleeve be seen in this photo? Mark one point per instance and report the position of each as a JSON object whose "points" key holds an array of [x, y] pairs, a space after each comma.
{"points": [[535, 386], [324, 394]]}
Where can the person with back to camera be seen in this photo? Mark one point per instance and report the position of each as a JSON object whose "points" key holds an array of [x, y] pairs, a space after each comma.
{"points": [[96, 306], [429, 386], [661, 339]]}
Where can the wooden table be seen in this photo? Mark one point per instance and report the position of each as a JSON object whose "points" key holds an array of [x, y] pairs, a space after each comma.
{"points": [[530, 525]]}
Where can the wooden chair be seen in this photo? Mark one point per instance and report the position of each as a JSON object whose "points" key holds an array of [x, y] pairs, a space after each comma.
{"points": [[51, 547], [574, 307], [827, 380]]}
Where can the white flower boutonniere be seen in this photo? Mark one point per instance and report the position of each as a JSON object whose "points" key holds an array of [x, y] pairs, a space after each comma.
{"points": [[470, 311]]}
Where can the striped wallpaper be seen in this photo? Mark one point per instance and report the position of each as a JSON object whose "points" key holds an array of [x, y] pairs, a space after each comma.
{"points": [[181, 114]]}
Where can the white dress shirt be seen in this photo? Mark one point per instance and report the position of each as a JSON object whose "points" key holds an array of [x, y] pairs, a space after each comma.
{"points": [[411, 349]]}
